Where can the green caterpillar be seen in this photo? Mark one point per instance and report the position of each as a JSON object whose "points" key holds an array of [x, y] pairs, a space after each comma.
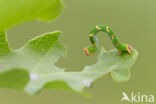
{"points": [[119, 46]]}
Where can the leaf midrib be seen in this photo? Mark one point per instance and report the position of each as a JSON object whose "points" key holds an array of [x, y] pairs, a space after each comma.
{"points": [[38, 64]]}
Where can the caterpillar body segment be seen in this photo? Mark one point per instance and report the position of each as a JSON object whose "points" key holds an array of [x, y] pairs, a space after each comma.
{"points": [[103, 28]]}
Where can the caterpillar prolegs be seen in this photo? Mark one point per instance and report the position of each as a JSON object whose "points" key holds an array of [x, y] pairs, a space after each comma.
{"points": [[119, 46]]}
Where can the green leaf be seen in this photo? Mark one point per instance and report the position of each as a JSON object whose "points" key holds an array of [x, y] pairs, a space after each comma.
{"points": [[14, 79], [4, 48], [118, 66], [13, 12], [32, 67]]}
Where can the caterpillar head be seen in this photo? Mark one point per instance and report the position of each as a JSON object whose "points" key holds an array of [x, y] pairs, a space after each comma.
{"points": [[90, 50], [86, 51]]}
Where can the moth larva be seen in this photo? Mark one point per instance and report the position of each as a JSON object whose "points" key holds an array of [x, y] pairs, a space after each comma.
{"points": [[119, 46]]}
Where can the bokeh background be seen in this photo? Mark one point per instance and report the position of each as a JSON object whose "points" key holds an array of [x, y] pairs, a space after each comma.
{"points": [[134, 21]]}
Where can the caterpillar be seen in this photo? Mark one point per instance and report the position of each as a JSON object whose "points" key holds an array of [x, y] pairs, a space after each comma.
{"points": [[121, 48]]}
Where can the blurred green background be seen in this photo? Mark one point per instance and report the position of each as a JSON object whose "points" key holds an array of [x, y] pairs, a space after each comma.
{"points": [[134, 21]]}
